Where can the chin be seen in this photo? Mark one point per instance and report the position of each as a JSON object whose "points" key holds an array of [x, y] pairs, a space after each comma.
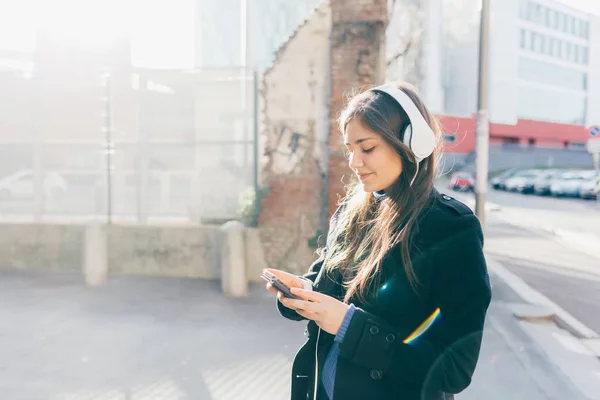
{"points": [[369, 188]]}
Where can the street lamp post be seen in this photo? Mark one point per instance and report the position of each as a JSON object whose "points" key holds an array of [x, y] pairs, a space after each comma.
{"points": [[109, 149], [483, 125]]}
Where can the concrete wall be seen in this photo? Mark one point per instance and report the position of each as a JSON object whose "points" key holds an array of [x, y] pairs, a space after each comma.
{"points": [[294, 129], [505, 156], [357, 42], [171, 251], [166, 251], [42, 246]]}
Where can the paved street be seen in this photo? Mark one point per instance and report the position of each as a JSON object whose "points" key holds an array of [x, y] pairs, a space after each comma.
{"points": [[559, 270], [170, 339], [570, 214]]}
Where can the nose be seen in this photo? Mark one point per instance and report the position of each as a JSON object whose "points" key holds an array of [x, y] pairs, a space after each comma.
{"points": [[354, 161]]}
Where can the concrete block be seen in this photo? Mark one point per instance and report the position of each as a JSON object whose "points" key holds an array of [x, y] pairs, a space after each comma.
{"points": [[234, 279], [95, 266], [183, 251], [255, 256]]}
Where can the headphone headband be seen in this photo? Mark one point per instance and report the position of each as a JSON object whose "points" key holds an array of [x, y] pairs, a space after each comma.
{"points": [[418, 136]]}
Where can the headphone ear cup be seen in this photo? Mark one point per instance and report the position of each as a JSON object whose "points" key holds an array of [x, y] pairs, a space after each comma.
{"points": [[407, 136]]}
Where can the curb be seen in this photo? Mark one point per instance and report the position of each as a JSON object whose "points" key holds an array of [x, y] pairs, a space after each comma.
{"points": [[561, 317]]}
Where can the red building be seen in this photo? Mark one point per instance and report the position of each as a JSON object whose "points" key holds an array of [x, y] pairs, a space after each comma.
{"points": [[459, 134]]}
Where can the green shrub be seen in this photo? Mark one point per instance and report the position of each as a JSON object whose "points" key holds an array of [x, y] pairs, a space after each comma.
{"points": [[250, 205]]}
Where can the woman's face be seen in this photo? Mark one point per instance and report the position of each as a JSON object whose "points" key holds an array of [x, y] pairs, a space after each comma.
{"points": [[376, 164]]}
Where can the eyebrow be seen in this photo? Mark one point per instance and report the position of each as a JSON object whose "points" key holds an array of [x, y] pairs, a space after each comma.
{"points": [[359, 141]]}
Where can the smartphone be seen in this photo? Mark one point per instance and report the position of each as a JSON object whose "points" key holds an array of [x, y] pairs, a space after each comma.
{"points": [[277, 284]]}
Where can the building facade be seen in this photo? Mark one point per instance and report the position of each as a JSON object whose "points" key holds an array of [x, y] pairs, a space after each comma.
{"points": [[234, 33], [544, 60]]}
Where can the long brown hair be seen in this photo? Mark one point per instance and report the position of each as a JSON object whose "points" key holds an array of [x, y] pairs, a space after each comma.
{"points": [[367, 228]]}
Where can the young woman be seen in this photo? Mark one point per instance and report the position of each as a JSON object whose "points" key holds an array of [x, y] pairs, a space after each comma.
{"points": [[396, 302]]}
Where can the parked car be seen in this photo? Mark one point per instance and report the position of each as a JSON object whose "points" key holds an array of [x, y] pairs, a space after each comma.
{"points": [[499, 181], [522, 181], [567, 185], [589, 189], [462, 181], [541, 186], [21, 185]]}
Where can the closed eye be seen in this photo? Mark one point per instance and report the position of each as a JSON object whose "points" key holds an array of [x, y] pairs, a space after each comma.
{"points": [[369, 150]]}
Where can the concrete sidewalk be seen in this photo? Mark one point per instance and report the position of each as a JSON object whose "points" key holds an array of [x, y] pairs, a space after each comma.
{"points": [[149, 338], [571, 231]]}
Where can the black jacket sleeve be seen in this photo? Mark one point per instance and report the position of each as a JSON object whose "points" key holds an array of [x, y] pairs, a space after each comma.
{"points": [[445, 356], [313, 271]]}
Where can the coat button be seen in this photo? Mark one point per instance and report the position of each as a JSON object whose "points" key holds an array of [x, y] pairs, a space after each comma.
{"points": [[390, 338], [375, 375], [374, 330], [446, 197]]}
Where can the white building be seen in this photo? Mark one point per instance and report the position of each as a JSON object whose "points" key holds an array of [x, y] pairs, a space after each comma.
{"points": [[232, 33], [544, 61], [544, 58]]}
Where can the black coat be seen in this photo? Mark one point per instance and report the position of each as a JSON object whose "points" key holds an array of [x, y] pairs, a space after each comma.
{"points": [[374, 363]]}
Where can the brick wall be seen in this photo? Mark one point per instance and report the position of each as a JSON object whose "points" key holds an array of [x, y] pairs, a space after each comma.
{"points": [[294, 130], [357, 47]]}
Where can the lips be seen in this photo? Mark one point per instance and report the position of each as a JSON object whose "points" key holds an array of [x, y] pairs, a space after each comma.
{"points": [[362, 177]]}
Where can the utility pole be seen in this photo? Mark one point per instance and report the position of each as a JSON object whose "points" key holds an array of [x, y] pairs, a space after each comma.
{"points": [[483, 125], [109, 149]]}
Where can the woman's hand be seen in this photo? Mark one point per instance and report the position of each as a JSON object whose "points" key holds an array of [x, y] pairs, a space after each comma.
{"points": [[290, 280], [326, 311]]}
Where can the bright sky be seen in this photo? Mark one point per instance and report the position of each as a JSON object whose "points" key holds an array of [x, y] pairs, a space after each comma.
{"points": [[162, 31]]}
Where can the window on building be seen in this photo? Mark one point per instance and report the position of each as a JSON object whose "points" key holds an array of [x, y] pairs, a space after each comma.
{"points": [[584, 59], [528, 40], [577, 145], [584, 29], [569, 52], [543, 44], [554, 47], [577, 27], [559, 48], [554, 19], [570, 25], [530, 70], [449, 138], [537, 42], [523, 8], [562, 22], [547, 17]]}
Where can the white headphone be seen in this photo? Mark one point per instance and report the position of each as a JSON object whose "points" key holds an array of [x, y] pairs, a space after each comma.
{"points": [[418, 135]]}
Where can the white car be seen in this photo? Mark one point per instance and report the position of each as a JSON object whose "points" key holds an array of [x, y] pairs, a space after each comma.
{"points": [[568, 185], [520, 181], [21, 185], [590, 188]]}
